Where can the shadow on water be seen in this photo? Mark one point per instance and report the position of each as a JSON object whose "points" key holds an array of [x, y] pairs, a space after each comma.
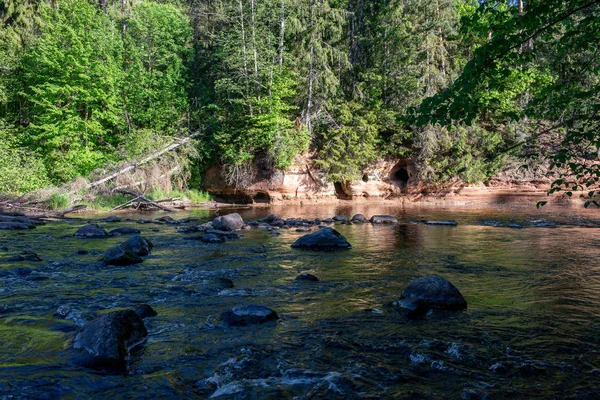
{"points": [[532, 328]]}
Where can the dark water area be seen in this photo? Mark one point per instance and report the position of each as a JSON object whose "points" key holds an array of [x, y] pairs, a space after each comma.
{"points": [[531, 330]]}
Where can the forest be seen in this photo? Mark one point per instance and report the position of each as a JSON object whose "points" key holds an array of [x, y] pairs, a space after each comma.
{"points": [[465, 88]]}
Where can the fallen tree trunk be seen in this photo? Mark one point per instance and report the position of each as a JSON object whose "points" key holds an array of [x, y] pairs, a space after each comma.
{"points": [[41, 213], [147, 200], [144, 161]]}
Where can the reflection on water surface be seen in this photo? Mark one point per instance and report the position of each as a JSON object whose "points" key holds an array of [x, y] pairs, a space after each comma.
{"points": [[532, 328]]}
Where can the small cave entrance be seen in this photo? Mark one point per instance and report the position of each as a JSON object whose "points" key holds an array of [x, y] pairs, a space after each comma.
{"points": [[261, 197], [365, 178], [400, 175], [340, 191]]}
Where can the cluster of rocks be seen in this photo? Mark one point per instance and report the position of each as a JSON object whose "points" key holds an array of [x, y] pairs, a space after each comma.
{"points": [[18, 221], [127, 253], [105, 342]]}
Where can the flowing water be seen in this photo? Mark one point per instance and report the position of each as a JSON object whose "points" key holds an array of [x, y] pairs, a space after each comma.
{"points": [[531, 330]]}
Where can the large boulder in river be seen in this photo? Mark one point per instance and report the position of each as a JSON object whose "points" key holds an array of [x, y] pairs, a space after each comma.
{"points": [[104, 343], [248, 315], [435, 291], [229, 222], [124, 231], [120, 256], [326, 239], [359, 219], [138, 245], [91, 231], [383, 219]]}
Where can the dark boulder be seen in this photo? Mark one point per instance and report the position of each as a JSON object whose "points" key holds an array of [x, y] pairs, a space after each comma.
{"points": [[104, 343], [303, 229], [145, 311], [138, 245], [15, 225], [91, 231], [229, 222], [326, 239], [212, 238], [269, 219], [340, 218], [248, 315], [305, 277], [124, 231], [120, 256], [436, 291], [277, 222], [359, 219], [224, 283], [30, 256], [383, 219], [412, 308], [112, 218], [166, 218]]}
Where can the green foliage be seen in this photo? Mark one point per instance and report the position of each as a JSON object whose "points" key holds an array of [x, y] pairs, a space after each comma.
{"points": [[470, 153], [349, 144], [21, 170], [85, 85], [106, 202], [157, 44], [551, 49], [70, 88], [59, 201]]}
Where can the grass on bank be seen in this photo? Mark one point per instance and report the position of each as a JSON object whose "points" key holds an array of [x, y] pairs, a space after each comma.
{"points": [[106, 202]]}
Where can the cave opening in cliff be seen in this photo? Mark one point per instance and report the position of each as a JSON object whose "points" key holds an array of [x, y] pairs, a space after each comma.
{"points": [[261, 197], [365, 178], [401, 175]]}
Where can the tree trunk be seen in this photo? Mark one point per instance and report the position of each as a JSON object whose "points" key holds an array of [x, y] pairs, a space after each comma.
{"points": [[281, 34], [245, 57], [310, 68]]}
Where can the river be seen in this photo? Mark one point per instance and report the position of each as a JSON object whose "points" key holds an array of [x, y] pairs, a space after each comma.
{"points": [[531, 329]]}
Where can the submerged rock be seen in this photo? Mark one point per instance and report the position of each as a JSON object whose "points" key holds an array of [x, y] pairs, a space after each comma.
{"points": [[145, 311], [120, 256], [383, 219], [10, 225], [138, 245], [124, 231], [229, 222], [448, 222], [91, 231], [248, 315], [112, 218], [225, 283], [412, 308], [212, 238], [436, 292], [326, 239], [359, 219], [104, 343], [306, 277]]}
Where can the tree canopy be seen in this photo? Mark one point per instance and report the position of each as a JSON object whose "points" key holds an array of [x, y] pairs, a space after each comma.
{"points": [[461, 87]]}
